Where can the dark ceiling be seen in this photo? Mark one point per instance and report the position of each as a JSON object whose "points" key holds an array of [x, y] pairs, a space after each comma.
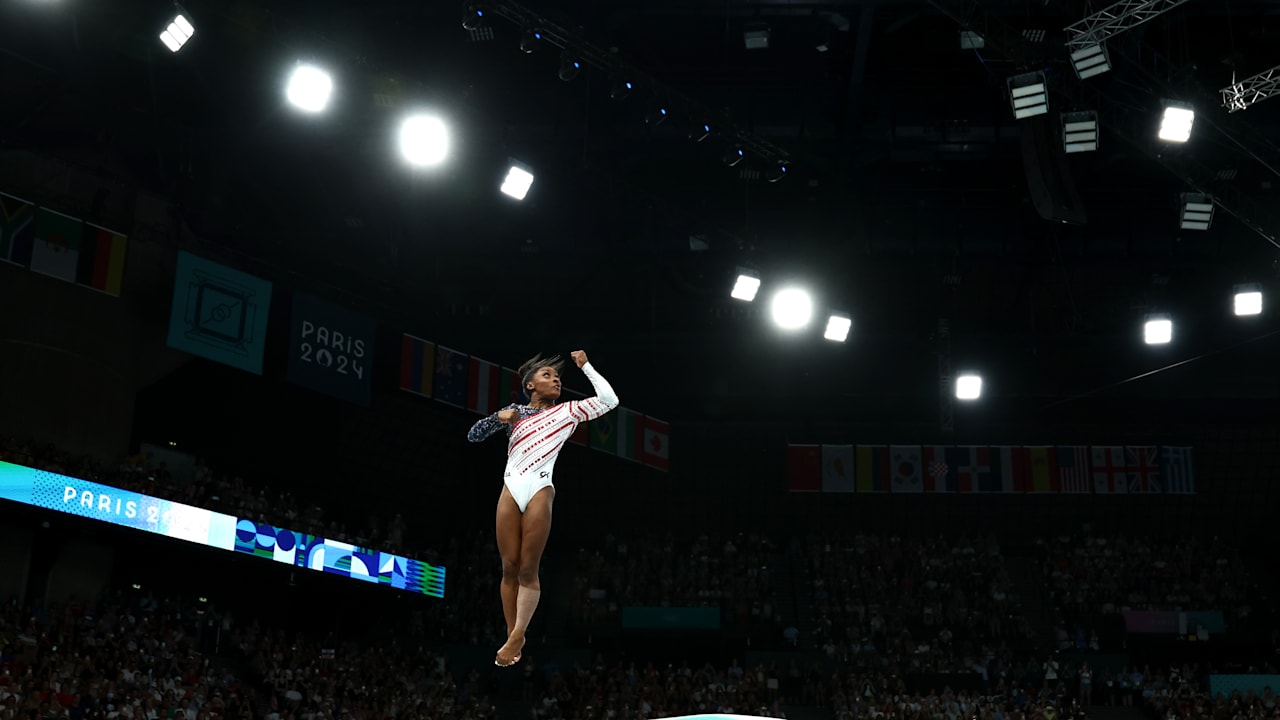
{"points": [[908, 200]]}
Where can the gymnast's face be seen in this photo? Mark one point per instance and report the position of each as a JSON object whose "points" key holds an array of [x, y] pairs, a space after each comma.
{"points": [[544, 384]]}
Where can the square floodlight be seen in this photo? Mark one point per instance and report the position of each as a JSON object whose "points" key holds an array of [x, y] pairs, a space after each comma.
{"points": [[1080, 131], [746, 286], [1157, 329], [1175, 124], [968, 387], [177, 32], [309, 88], [1197, 211], [517, 183], [1029, 95], [755, 36], [970, 40], [1090, 60], [1248, 299], [838, 327]]}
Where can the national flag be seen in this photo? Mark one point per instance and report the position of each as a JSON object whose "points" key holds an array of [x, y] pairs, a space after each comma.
{"points": [[417, 365], [973, 467], [56, 251], [450, 384], [509, 388], [804, 468], [1179, 470], [908, 473], [1109, 470], [1074, 469], [101, 262], [1044, 469], [939, 475], [483, 395], [17, 230], [1143, 469], [873, 468], [1010, 471], [603, 432], [582, 431], [657, 441], [837, 468], [630, 434]]}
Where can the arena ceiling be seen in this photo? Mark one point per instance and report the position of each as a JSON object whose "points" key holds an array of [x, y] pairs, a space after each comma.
{"points": [[907, 201]]}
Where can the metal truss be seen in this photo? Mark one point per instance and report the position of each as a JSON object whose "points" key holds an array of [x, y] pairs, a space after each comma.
{"points": [[1115, 19], [607, 61], [1113, 113], [1239, 96]]}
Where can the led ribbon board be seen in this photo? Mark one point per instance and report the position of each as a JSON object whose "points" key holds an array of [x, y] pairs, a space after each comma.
{"points": [[95, 501]]}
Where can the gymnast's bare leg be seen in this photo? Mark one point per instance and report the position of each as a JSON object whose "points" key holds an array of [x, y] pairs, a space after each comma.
{"points": [[521, 541]]}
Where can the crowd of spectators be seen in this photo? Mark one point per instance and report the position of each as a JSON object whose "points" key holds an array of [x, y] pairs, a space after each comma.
{"points": [[735, 574], [881, 626], [1091, 578]]}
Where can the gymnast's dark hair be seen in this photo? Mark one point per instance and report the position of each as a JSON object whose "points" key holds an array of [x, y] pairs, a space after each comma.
{"points": [[533, 365]]}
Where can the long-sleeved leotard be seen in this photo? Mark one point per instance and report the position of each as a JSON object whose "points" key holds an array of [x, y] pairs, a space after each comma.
{"points": [[534, 441]]}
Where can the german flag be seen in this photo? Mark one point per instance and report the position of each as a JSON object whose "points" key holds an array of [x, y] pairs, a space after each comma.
{"points": [[101, 262]]}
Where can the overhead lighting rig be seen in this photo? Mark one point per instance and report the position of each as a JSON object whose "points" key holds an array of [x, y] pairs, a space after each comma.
{"points": [[626, 78]]}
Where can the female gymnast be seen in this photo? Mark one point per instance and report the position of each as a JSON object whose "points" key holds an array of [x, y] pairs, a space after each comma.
{"points": [[535, 433]]}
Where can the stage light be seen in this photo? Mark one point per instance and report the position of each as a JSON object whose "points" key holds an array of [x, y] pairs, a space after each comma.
{"points": [[517, 183], [734, 155], [178, 32], [746, 286], [309, 88], [970, 40], [700, 131], [657, 116], [1197, 211], [570, 66], [622, 87], [1175, 125], [1090, 60], [1248, 299], [473, 16], [968, 387], [529, 40], [791, 308], [838, 328], [1029, 95], [1080, 131], [1157, 329], [778, 171], [424, 140]]}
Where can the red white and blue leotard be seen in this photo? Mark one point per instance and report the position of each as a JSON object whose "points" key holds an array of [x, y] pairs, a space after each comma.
{"points": [[534, 441]]}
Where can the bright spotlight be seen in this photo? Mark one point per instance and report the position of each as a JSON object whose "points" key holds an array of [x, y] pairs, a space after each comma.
{"points": [[838, 328], [570, 66], [309, 88], [424, 140], [792, 309], [1248, 299], [177, 33], [746, 286], [968, 387], [1176, 124], [517, 183], [1157, 330]]}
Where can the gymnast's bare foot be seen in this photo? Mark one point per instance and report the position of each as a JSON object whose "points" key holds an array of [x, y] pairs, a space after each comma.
{"points": [[509, 654]]}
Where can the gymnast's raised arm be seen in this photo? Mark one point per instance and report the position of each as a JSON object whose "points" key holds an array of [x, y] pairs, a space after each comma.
{"points": [[605, 399]]}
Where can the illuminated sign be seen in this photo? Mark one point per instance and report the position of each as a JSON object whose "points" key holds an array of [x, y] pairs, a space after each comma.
{"points": [[183, 522]]}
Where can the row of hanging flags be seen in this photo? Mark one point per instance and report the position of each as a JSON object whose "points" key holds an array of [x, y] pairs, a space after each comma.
{"points": [[61, 246], [464, 381], [1080, 469]]}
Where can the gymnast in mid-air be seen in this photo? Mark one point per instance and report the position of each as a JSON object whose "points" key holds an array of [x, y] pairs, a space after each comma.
{"points": [[536, 431]]}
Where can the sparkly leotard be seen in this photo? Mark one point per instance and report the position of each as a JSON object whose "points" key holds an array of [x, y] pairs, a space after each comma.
{"points": [[534, 441]]}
